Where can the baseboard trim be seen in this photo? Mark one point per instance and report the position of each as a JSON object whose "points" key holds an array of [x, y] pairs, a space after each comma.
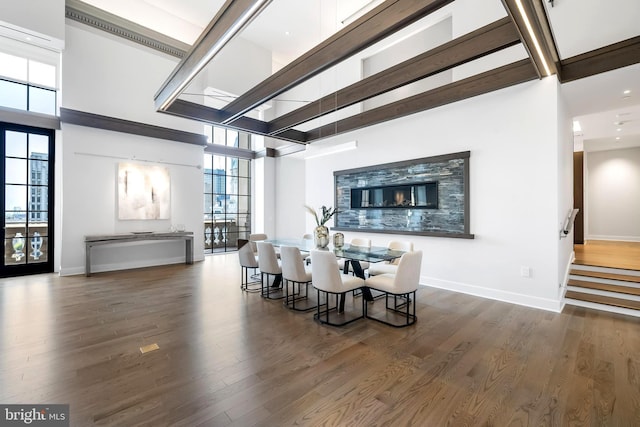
{"points": [[613, 238], [101, 268], [494, 294]]}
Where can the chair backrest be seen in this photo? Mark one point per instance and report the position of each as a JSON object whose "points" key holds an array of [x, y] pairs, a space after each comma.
{"points": [[326, 276], [267, 259], [401, 245], [292, 264], [407, 276], [360, 242], [253, 238], [247, 257]]}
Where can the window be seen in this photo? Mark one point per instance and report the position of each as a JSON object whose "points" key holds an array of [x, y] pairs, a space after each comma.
{"points": [[227, 202], [27, 199], [26, 84], [229, 137]]}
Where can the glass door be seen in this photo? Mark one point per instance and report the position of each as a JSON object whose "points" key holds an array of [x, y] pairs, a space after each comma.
{"points": [[27, 199]]}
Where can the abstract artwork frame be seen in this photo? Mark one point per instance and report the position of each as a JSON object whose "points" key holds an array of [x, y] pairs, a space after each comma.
{"points": [[144, 192]]}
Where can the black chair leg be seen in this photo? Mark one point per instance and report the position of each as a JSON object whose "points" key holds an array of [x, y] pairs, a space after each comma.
{"points": [[329, 309], [405, 308]]}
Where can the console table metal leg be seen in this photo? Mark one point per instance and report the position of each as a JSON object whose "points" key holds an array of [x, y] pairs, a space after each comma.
{"points": [[87, 260], [189, 251]]}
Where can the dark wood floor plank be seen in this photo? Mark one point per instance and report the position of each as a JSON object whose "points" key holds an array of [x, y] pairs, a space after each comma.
{"points": [[228, 358]]}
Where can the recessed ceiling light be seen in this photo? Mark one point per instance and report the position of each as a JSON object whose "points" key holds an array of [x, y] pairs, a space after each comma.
{"points": [[287, 33], [617, 138], [627, 92], [618, 130]]}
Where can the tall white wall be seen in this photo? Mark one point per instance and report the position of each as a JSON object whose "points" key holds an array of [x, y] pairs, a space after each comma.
{"points": [[108, 76], [613, 194], [514, 177], [290, 185], [264, 196], [565, 254]]}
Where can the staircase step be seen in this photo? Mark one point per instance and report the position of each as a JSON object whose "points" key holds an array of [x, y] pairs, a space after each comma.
{"points": [[600, 299], [604, 287], [601, 275]]}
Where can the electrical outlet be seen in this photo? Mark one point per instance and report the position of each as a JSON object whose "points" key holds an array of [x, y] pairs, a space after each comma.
{"points": [[525, 271]]}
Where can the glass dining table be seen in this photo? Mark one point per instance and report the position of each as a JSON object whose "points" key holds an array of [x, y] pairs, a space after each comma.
{"points": [[352, 256]]}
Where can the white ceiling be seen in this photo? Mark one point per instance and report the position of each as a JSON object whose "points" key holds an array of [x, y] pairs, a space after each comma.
{"points": [[598, 102], [291, 27]]}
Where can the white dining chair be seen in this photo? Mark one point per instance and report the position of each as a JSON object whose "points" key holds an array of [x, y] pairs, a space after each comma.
{"points": [[402, 285], [269, 266], [390, 267], [329, 282], [296, 274], [248, 261], [253, 238]]}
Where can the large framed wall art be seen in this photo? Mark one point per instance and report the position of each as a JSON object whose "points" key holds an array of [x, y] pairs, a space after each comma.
{"points": [[427, 196], [144, 192]]}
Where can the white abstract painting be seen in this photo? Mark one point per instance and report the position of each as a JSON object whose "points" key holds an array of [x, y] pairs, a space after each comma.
{"points": [[144, 192]]}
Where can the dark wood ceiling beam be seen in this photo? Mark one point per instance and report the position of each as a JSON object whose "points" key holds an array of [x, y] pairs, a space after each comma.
{"points": [[499, 78], [548, 53], [192, 110], [114, 124], [232, 17], [601, 60], [491, 38], [384, 20]]}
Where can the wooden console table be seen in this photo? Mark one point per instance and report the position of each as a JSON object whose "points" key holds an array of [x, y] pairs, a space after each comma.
{"points": [[91, 241]]}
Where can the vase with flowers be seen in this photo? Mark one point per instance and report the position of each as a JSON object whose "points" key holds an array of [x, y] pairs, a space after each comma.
{"points": [[321, 232]]}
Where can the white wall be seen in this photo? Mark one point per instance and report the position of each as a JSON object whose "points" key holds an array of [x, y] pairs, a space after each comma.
{"points": [[565, 147], [613, 194], [108, 76], [514, 177], [89, 198], [263, 195], [290, 185]]}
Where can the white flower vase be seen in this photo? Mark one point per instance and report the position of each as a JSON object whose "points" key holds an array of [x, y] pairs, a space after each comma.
{"points": [[321, 236]]}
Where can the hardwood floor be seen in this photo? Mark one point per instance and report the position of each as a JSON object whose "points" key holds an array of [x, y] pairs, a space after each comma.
{"points": [[229, 358], [604, 253]]}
